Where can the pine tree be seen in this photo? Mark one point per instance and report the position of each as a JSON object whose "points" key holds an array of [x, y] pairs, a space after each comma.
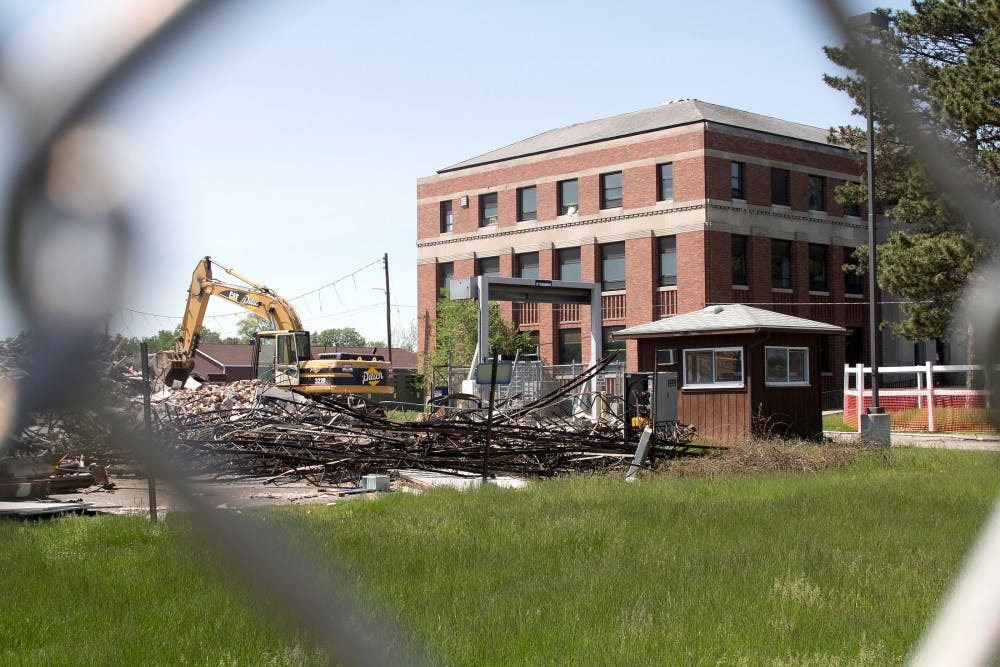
{"points": [[947, 54]]}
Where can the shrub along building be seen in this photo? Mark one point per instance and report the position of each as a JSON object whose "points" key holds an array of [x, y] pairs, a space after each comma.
{"points": [[670, 209]]}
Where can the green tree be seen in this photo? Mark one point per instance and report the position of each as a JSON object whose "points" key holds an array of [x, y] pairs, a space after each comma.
{"points": [[456, 332], [250, 325], [343, 337], [947, 54], [164, 339]]}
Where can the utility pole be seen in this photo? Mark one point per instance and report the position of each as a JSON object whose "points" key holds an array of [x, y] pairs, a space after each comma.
{"points": [[388, 310]]}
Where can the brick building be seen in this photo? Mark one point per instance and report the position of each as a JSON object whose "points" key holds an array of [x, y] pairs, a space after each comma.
{"points": [[671, 209]]}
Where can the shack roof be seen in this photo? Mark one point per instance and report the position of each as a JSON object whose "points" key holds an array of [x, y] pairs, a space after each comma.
{"points": [[731, 317]]}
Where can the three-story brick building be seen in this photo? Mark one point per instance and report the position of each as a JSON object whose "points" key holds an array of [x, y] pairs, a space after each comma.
{"points": [[671, 209]]}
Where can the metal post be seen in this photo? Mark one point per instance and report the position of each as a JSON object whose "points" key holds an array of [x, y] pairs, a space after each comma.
{"points": [[872, 286], [148, 420], [489, 418], [388, 310]]}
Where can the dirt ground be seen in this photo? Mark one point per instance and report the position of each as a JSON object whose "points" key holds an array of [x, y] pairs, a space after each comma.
{"points": [[131, 495]]}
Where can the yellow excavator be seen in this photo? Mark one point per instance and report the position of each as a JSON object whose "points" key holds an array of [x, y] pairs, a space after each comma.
{"points": [[282, 355]]}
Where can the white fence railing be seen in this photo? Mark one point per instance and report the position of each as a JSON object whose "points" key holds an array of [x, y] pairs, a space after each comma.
{"points": [[917, 397]]}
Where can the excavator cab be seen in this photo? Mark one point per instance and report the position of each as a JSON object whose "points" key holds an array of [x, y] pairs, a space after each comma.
{"points": [[277, 355]]}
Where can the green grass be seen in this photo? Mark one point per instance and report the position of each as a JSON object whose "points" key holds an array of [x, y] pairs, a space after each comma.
{"points": [[835, 568], [835, 422]]}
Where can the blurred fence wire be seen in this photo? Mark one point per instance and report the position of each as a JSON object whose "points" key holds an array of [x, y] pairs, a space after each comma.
{"points": [[966, 630], [64, 219], [65, 222]]}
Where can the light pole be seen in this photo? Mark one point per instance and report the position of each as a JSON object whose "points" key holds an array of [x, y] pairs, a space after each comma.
{"points": [[868, 24]]}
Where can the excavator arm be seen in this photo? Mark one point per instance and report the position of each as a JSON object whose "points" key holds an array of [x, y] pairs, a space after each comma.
{"points": [[256, 298], [282, 355]]}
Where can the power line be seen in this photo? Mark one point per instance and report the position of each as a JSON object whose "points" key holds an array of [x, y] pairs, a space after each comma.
{"points": [[333, 284]]}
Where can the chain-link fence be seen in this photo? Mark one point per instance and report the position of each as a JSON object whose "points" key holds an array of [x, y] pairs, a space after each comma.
{"points": [[68, 241]]}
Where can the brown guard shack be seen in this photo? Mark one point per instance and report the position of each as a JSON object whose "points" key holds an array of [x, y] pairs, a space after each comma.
{"points": [[736, 365]]}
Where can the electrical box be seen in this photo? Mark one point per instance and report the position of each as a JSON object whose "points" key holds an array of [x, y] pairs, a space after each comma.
{"points": [[665, 396], [637, 404], [460, 289], [375, 482]]}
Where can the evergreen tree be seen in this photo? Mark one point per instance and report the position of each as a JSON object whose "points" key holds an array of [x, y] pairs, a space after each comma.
{"points": [[947, 55]]}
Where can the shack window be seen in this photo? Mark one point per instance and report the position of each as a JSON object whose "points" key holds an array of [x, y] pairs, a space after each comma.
{"points": [[713, 368], [786, 366]]}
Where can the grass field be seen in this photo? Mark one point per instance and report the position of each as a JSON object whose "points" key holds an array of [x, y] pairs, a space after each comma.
{"points": [[841, 567], [834, 421]]}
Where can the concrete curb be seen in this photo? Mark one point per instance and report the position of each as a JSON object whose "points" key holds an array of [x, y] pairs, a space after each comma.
{"points": [[973, 442]]}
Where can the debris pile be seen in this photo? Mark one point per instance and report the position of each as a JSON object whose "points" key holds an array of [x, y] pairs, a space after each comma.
{"points": [[239, 430], [329, 441], [65, 450]]}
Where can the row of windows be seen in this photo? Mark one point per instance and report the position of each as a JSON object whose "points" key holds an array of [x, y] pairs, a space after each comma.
{"points": [[612, 265], [723, 367], [567, 198], [782, 268], [570, 346], [567, 194]]}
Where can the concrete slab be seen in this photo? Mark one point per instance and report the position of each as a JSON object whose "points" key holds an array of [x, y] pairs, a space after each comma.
{"points": [[425, 479]]}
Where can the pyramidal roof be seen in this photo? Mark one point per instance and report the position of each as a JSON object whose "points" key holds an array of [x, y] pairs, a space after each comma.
{"points": [[670, 114], [725, 318]]}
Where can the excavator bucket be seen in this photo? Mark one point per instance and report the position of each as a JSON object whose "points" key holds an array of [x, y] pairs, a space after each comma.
{"points": [[169, 369]]}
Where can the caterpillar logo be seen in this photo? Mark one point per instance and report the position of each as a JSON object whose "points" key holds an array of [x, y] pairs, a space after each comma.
{"points": [[372, 376]]}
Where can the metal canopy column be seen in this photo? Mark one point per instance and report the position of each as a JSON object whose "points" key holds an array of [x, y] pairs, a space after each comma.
{"points": [[496, 288]]}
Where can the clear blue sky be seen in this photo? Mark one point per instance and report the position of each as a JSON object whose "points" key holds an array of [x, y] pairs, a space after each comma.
{"points": [[285, 139]]}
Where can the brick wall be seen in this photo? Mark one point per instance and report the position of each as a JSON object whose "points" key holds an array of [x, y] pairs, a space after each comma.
{"points": [[690, 271], [703, 256]]}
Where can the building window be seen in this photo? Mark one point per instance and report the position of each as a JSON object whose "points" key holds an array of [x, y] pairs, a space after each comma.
{"points": [[488, 209], [668, 260], [854, 346], [527, 265], [786, 366], [567, 195], [570, 349], [447, 219], [445, 272], [613, 266], [817, 193], [713, 367], [533, 338], [852, 279], [781, 264], [852, 210], [817, 268], [488, 266], [665, 182], [779, 186], [615, 346], [738, 260], [526, 204], [611, 190], [569, 264], [825, 358], [736, 179]]}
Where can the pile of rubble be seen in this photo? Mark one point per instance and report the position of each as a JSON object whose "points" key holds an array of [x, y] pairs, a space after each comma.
{"points": [[60, 451], [330, 441], [242, 430]]}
